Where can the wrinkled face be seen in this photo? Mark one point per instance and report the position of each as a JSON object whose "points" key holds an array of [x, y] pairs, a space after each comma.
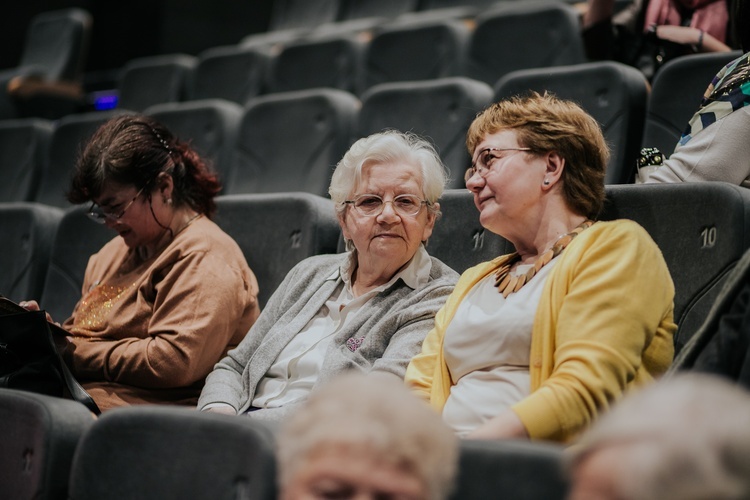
{"points": [[347, 472], [136, 225], [509, 187], [388, 235]]}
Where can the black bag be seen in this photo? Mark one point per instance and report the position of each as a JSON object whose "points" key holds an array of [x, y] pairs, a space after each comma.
{"points": [[29, 360]]}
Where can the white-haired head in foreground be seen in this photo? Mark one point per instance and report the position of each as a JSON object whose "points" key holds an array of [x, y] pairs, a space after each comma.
{"points": [[683, 438], [366, 434]]}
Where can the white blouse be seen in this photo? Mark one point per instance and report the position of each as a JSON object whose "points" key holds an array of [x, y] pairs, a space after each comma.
{"points": [[487, 346]]}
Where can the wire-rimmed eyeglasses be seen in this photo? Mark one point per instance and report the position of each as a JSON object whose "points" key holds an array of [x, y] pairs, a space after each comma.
{"points": [[484, 161], [98, 214], [405, 205]]}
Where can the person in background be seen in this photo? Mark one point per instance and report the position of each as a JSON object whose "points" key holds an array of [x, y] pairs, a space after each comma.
{"points": [[536, 343], [171, 293], [684, 438], [714, 145], [366, 438], [367, 309], [648, 33]]}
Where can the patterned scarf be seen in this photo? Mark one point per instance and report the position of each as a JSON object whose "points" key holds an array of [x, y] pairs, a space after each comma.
{"points": [[729, 91], [710, 16]]}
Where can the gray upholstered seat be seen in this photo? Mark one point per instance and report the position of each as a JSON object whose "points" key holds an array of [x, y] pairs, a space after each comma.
{"points": [[145, 81], [153, 452], [23, 148], [40, 436], [231, 72], [613, 93]]}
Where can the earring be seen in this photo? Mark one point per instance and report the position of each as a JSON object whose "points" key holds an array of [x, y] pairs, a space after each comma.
{"points": [[546, 182], [169, 201]]}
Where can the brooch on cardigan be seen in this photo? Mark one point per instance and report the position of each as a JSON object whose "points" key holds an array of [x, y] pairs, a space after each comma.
{"points": [[353, 344]]}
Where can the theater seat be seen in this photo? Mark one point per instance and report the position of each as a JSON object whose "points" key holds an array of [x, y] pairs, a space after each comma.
{"points": [[275, 231], [613, 93], [521, 470], [153, 452], [440, 110], [23, 148], [231, 72], [28, 230], [77, 238], [40, 435], [145, 81], [291, 141]]}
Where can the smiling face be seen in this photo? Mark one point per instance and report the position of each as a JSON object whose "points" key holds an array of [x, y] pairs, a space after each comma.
{"points": [[509, 191], [137, 225], [353, 472], [387, 238]]}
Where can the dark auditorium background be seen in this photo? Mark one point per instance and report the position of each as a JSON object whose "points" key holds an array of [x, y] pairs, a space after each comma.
{"points": [[124, 29]]}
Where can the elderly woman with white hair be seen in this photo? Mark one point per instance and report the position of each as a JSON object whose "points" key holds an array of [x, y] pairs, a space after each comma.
{"points": [[367, 309]]}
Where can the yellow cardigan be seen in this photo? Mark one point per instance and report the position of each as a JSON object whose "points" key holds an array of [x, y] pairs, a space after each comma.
{"points": [[604, 323]]}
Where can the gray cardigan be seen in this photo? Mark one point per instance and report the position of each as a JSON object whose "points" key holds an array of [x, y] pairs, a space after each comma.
{"points": [[392, 325]]}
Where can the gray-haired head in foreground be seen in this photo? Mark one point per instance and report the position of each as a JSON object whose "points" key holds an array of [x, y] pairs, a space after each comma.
{"points": [[392, 423], [686, 438], [389, 147]]}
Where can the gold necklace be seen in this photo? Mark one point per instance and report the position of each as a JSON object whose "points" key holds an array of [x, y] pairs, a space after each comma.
{"points": [[507, 284]]}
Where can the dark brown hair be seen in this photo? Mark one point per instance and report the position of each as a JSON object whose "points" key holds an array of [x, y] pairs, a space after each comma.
{"points": [[135, 149]]}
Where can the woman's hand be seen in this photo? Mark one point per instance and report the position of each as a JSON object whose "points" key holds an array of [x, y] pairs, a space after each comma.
{"points": [[225, 409], [507, 425], [33, 305], [685, 35]]}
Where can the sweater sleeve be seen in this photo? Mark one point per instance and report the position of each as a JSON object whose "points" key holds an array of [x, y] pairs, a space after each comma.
{"points": [[612, 302], [196, 308]]}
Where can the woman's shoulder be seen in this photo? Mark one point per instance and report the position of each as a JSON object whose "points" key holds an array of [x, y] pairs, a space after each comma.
{"points": [[442, 272]]}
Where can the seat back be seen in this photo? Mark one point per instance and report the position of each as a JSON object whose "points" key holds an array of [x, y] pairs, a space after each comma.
{"points": [[57, 44], [233, 73], [677, 92], [276, 231], [291, 141], [68, 139], [28, 230], [458, 238], [23, 146], [209, 125], [40, 436], [702, 229], [613, 93], [548, 31], [359, 9], [292, 14], [510, 469], [439, 110], [415, 51], [166, 452], [146, 81], [77, 238], [332, 61]]}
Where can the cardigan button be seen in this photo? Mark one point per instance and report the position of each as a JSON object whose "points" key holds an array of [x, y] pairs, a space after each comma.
{"points": [[537, 363]]}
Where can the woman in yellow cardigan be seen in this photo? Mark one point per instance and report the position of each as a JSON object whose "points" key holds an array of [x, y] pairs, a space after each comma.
{"points": [[536, 343]]}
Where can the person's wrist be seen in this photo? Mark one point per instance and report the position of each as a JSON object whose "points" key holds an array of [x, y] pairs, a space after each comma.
{"points": [[699, 44]]}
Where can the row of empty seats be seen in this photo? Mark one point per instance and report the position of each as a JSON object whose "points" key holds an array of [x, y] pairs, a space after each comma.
{"points": [[290, 141], [702, 229], [53, 449]]}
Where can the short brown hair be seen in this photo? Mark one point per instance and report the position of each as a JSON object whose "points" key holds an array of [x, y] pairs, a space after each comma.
{"points": [[545, 123]]}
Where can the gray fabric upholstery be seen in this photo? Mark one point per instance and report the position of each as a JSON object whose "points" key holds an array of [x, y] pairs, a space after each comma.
{"points": [[332, 61], [521, 35], [358, 9], [702, 229], [677, 91], [40, 436], [55, 49], [291, 14], [291, 141], [69, 136], [440, 110], [512, 470], [77, 238], [152, 452], [276, 231], [231, 72], [415, 51], [27, 230], [146, 81], [209, 125], [459, 239], [613, 93], [23, 147]]}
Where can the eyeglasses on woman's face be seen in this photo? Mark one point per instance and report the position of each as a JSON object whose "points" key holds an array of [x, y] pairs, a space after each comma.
{"points": [[98, 214], [485, 159], [369, 205]]}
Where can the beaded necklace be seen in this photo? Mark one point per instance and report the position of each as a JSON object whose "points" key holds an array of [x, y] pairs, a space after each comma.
{"points": [[507, 284]]}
